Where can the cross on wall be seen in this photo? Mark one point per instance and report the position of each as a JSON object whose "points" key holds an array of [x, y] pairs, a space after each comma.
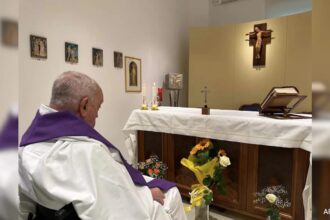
{"points": [[259, 39]]}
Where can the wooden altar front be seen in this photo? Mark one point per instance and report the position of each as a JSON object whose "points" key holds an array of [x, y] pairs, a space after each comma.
{"points": [[253, 168]]}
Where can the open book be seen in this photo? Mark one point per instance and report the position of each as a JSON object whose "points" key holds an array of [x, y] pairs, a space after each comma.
{"points": [[280, 101]]}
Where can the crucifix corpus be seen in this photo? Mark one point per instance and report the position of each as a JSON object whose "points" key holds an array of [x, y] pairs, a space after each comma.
{"points": [[259, 38], [205, 108]]}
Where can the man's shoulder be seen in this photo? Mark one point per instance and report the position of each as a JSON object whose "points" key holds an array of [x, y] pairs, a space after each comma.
{"points": [[81, 143]]}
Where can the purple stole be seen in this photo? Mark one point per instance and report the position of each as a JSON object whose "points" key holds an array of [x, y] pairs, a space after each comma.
{"points": [[9, 133], [60, 124]]}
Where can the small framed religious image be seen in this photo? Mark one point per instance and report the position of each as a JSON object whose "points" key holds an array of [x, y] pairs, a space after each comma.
{"points": [[71, 52], [133, 72], [97, 57], [118, 59], [38, 46], [9, 30]]}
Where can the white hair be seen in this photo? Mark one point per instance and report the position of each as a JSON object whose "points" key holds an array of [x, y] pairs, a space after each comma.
{"points": [[70, 87]]}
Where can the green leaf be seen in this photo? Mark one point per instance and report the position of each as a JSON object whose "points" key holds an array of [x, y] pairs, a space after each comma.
{"points": [[202, 157], [208, 197], [207, 180]]}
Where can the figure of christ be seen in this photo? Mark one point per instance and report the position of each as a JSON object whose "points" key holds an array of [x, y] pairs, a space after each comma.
{"points": [[259, 35]]}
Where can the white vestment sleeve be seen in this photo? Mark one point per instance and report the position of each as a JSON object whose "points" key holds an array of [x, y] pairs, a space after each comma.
{"points": [[99, 187], [173, 204]]}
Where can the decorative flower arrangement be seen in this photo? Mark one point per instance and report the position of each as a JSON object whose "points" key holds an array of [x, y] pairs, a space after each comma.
{"points": [[153, 167], [275, 198], [207, 162]]}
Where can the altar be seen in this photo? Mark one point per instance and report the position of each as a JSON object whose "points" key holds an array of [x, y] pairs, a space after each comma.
{"points": [[263, 152]]}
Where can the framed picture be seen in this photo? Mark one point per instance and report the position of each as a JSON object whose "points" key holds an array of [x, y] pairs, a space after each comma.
{"points": [[132, 74], [38, 47], [118, 59], [97, 57], [9, 30], [71, 52]]}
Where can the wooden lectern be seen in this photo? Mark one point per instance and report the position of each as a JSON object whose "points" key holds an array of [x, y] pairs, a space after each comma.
{"points": [[280, 101]]}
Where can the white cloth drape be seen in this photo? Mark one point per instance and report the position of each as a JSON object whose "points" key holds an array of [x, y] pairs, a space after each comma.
{"points": [[228, 125]]}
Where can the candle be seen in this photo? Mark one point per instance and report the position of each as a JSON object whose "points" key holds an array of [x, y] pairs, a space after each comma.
{"points": [[144, 98], [154, 103], [154, 94], [144, 105]]}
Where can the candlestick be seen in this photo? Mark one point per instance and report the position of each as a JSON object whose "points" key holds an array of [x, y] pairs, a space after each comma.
{"points": [[154, 105], [144, 98]]}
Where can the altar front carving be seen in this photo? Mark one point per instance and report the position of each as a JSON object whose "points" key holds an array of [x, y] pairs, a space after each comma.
{"points": [[253, 166]]}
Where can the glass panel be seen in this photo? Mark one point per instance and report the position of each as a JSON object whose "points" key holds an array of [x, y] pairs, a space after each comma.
{"points": [[275, 168], [182, 147], [152, 144], [231, 173]]}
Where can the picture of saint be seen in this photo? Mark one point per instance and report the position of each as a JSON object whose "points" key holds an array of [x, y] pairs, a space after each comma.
{"points": [[97, 57], [71, 52], [38, 47], [118, 59], [132, 74], [9, 33]]}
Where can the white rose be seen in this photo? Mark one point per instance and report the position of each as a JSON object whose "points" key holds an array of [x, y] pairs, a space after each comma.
{"points": [[224, 161], [271, 198]]}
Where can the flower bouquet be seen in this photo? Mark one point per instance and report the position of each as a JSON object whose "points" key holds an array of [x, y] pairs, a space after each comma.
{"points": [[207, 163], [153, 167], [275, 198]]}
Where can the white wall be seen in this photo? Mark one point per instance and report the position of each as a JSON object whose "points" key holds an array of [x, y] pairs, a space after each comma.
{"points": [[8, 63], [198, 12], [277, 8], [253, 10], [236, 12], [154, 30]]}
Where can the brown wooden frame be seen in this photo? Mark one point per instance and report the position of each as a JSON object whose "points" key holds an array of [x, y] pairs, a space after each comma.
{"points": [[248, 167]]}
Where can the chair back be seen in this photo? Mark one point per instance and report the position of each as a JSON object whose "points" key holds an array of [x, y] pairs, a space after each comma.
{"points": [[66, 213], [255, 107]]}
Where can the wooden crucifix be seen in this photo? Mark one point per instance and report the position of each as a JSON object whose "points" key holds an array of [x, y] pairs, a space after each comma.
{"points": [[259, 38]]}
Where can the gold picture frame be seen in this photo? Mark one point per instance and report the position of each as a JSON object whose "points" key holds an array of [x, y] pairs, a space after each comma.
{"points": [[38, 47], [133, 74], [71, 52], [97, 55]]}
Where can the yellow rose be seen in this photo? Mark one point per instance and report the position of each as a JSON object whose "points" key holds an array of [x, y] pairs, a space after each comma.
{"points": [[193, 151], [271, 198], [224, 161]]}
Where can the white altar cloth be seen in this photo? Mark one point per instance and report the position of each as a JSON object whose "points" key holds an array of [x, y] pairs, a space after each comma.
{"points": [[228, 125]]}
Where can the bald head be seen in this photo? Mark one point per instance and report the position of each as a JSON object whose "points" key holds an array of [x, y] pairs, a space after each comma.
{"points": [[75, 92]]}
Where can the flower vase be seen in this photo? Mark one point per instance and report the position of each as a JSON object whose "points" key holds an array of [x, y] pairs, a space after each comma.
{"points": [[202, 212]]}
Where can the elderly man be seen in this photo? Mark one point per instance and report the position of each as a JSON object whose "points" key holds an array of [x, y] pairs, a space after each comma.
{"points": [[63, 160]]}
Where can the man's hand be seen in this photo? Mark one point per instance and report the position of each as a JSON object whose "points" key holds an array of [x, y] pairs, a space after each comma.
{"points": [[157, 195]]}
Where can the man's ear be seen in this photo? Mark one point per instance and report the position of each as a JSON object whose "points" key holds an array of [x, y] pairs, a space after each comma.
{"points": [[83, 107]]}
